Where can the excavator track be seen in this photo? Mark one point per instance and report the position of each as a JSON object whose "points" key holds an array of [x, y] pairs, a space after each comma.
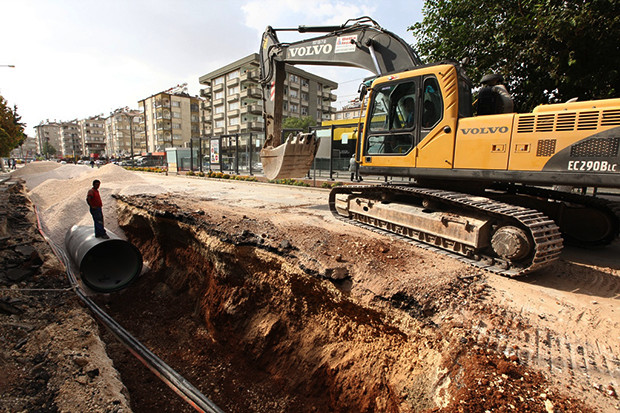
{"points": [[544, 234], [610, 210]]}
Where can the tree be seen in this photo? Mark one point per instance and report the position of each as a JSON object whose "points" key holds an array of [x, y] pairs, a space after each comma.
{"points": [[48, 149], [547, 50], [11, 129], [299, 123]]}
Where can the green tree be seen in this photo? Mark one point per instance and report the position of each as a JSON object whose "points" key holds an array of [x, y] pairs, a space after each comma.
{"points": [[547, 50], [48, 149], [11, 129], [299, 123]]}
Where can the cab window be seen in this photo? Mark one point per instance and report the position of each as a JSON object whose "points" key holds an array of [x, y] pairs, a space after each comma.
{"points": [[432, 109], [393, 118]]}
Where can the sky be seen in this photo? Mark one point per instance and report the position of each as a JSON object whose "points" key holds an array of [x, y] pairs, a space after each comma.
{"points": [[79, 58]]}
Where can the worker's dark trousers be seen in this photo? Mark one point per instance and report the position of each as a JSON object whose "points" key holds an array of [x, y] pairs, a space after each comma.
{"points": [[97, 214]]}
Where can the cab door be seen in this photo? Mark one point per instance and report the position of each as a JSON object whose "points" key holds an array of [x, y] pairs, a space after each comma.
{"points": [[393, 124]]}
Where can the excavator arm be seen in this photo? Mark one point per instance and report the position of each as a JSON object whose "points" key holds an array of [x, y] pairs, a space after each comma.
{"points": [[358, 43]]}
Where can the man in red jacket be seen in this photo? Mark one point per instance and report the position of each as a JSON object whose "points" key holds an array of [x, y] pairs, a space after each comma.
{"points": [[94, 202]]}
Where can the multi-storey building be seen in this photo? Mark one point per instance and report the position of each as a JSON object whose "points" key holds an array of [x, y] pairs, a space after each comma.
{"points": [[123, 133], [27, 150], [233, 97], [70, 139], [47, 133], [92, 132], [171, 119], [352, 110]]}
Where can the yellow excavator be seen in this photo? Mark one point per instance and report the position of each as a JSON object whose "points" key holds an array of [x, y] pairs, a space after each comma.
{"points": [[483, 188]]}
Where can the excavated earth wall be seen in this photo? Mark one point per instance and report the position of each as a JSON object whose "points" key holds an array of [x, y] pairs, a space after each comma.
{"points": [[292, 337]]}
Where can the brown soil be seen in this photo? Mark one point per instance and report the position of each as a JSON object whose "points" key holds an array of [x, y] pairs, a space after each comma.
{"points": [[266, 305]]}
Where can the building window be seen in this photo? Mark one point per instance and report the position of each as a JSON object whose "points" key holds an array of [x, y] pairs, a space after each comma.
{"points": [[294, 93], [233, 90], [294, 78], [219, 95], [304, 96], [294, 108], [219, 109], [304, 110], [176, 115], [304, 82], [233, 75], [233, 121], [284, 105], [176, 104], [219, 123], [219, 80], [233, 106]]}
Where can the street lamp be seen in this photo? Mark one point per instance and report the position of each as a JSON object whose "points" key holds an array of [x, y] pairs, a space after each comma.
{"points": [[131, 115]]}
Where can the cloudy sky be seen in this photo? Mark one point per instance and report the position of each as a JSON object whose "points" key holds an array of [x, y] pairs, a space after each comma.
{"points": [[79, 58]]}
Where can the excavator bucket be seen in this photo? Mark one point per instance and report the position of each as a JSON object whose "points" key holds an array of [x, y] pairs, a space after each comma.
{"points": [[292, 159]]}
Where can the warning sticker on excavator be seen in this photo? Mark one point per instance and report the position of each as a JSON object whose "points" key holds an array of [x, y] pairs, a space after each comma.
{"points": [[345, 44]]}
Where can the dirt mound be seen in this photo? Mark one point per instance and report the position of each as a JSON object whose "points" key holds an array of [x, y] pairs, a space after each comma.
{"points": [[51, 357]]}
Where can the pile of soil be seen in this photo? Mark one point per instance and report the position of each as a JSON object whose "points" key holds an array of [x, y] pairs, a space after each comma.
{"points": [[51, 355]]}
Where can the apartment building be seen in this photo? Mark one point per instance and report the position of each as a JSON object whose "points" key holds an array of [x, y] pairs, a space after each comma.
{"points": [[47, 133], [92, 131], [70, 139], [233, 97], [171, 119], [27, 150], [123, 132], [352, 110]]}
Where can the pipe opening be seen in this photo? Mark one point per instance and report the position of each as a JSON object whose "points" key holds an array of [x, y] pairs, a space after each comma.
{"points": [[110, 265], [105, 265]]}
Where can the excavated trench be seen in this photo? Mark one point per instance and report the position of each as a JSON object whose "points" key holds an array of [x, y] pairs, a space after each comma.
{"points": [[245, 319]]}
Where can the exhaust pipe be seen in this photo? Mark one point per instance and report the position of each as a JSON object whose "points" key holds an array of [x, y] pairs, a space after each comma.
{"points": [[105, 265]]}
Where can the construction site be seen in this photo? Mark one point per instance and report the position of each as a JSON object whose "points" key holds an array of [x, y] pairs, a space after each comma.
{"points": [[261, 300]]}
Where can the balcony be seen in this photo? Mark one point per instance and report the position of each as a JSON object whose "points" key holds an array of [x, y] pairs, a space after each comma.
{"points": [[217, 88], [252, 109], [233, 113], [207, 120], [162, 103], [255, 126], [205, 92], [218, 116], [232, 82], [218, 102], [232, 98], [233, 128], [328, 96], [218, 131], [249, 76], [164, 125], [253, 92]]}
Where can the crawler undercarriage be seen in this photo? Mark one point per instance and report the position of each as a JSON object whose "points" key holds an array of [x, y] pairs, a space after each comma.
{"points": [[511, 239]]}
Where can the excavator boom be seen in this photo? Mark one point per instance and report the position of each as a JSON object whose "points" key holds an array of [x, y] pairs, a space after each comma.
{"points": [[358, 43]]}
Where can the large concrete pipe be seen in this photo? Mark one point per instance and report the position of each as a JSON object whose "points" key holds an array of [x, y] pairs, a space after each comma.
{"points": [[105, 264]]}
